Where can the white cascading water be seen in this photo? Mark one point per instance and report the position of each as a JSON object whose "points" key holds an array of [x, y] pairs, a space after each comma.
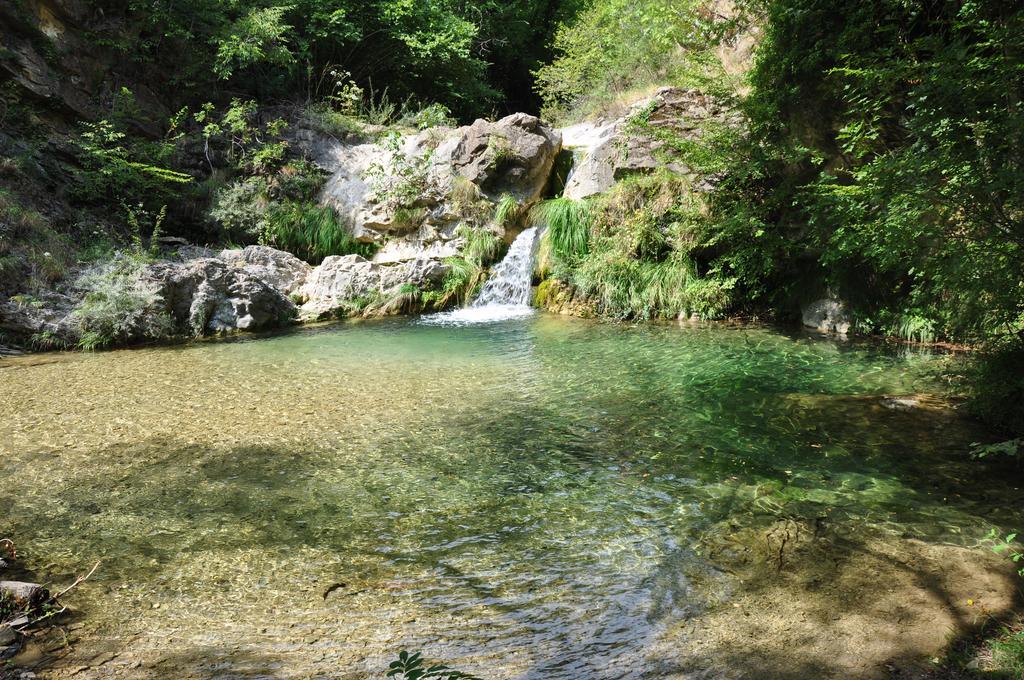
{"points": [[506, 294]]}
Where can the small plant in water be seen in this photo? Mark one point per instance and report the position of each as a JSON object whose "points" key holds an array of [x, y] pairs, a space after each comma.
{"points": [[1013, 448], [1007, 545], [413, 667]]}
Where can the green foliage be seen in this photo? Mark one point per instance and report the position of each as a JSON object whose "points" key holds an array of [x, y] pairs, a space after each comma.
{"points": [[920, 206], [1008, 653], [1008, 545], [631, 252], [629, 288], [241, 208], [257, 38], [617, 47], [120, 307], [480, 246], [500, 150], [433, 115], [250, 145], [325, 119], [568, 225], [466, 273], [457, 53], [118, 169], [402, 181], [1013, 448], [310, 231], [508, 212], [32, 254], [460, 282], [995, 386], [413, 667], [464, 192]]}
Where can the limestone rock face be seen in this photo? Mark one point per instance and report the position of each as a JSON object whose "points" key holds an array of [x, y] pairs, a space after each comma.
{"points": [[827, 316], [50, 316], [456, 176], [333, 285], [209, 295], [281, 270], [609, 152], [513, 155], [65, 81]]}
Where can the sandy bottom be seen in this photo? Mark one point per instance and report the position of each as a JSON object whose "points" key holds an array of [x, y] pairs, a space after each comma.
{"points": [[802, 603]]}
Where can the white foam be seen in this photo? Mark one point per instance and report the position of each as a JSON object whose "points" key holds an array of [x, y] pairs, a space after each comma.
{"points": [[473, 315], [506, 295]]}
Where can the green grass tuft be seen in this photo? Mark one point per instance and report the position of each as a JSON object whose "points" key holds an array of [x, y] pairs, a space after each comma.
{"points": [[311, 232], [569, 224], [481, 246], [627, 288], [509, 212]]}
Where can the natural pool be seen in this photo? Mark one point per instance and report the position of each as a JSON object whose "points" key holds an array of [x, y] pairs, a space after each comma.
{"points": [[538, 498]]}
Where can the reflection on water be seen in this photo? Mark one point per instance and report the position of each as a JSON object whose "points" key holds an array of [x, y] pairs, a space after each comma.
{"points": [[525, 499]]}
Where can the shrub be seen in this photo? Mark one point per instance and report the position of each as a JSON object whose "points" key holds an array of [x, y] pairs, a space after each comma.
{"points": [[403, 180], [995, 385], [433, 115], [241, 209], [322, 118], [616, 47], [116, 168], [120, 307]]}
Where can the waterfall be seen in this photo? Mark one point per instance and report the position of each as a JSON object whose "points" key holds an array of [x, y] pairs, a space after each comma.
{"points": [[510, 281], [506, 294]]}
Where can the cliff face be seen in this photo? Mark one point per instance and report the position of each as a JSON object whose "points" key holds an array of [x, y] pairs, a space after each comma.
{"points": [[50, 54], [46, 55]]}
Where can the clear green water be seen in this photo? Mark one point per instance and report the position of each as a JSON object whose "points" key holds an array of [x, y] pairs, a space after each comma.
{"points": [[527, 499]]}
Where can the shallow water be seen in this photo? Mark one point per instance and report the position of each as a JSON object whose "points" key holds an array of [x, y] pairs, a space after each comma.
{"points": [[524, 499]]}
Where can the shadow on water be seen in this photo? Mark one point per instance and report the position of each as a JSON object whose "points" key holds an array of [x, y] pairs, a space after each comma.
{"points": [[196, 500], [600, 515]]}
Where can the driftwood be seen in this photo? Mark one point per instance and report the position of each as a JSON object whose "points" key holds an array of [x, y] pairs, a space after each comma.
{"points": [[26, 596], [24, 606]]}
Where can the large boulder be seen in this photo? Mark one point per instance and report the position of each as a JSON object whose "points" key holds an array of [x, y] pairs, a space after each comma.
{"points": [[338, 282], [513, 155], [42, 320], [209, 295], [608, 152], [827, 316], [281, 270]]}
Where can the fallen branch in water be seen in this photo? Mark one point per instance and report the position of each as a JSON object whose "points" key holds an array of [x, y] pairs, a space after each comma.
{"points": [[78, 581], [25, 605]]}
